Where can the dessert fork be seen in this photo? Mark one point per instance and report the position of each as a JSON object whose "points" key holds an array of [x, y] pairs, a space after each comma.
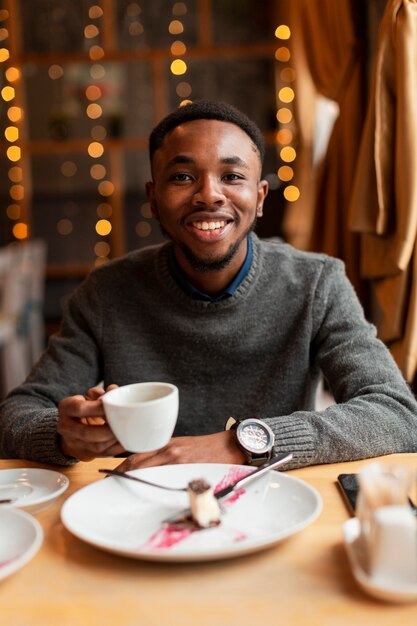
{"points": [[276, 461]]}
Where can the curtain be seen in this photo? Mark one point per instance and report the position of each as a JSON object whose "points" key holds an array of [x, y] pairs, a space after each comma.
{"points": [[327, 53], [360, 203], [383, 205]]}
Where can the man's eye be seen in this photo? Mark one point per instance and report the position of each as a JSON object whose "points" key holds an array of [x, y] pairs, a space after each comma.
{"points": [[181, 177], [232, 177]]}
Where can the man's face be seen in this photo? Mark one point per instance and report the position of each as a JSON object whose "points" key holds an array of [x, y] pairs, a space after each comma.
{"points": [[206, 192]]}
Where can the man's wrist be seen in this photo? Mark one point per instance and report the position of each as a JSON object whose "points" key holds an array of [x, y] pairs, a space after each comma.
{"points": [[239, 458], [254, 438]]}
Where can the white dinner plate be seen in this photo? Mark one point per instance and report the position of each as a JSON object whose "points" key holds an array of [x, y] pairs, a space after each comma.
{"points": [[21, 536], [30, 488], [392, 591], [126, 518]]}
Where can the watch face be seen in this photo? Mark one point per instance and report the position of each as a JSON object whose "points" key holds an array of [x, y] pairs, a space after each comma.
{"points": [[254, 436]]}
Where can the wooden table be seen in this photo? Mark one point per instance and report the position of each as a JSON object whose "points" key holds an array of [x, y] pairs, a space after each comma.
{"points": [[304, 580]]}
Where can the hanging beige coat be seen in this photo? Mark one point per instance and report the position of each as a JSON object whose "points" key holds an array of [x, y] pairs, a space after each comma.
{"points": [[383, 204], [327, 54]]}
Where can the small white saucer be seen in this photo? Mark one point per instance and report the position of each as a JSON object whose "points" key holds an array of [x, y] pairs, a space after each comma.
{"points": [[30, 488], [20, 539], [392, 591]]}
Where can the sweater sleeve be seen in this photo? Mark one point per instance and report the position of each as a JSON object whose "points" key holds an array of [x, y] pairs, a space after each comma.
{"points": [[70, 365], [375, 412]]}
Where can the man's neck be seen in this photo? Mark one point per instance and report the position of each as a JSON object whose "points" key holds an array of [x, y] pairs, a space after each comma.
{"points": [[212, 281]]}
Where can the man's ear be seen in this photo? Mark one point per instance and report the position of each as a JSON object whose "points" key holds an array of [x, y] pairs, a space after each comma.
{"points": [[262, 193], [150, 192]]}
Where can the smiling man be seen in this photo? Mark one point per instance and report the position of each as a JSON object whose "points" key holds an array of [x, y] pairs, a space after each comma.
{"points": [[243, 327], [207, 193]]}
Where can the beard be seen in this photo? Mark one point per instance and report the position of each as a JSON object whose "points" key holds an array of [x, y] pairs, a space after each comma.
{"points": [[210, 265]]}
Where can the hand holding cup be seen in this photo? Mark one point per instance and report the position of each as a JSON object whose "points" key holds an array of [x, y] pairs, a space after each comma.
{"points": [[142, 415]]}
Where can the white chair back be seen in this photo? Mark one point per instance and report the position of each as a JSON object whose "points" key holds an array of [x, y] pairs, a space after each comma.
{"points": [[22, 280]]}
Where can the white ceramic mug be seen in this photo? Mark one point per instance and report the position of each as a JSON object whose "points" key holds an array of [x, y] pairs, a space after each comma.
{"points": [[143, 415]]}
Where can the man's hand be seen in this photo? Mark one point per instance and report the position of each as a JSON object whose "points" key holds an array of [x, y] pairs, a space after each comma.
{"points": [[217, 448], [84, 433]]}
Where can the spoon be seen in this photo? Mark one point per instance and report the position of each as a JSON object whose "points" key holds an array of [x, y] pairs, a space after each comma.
{"points": [[115, 472], [276, 461]]}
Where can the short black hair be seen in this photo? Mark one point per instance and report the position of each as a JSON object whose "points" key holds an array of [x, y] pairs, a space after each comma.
{"points": [[206, 110]]}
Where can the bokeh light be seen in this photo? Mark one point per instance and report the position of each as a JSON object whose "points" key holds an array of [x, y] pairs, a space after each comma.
{"points": [[283, 54], [13, 212], [11, 133], [179, 8], [94, 111], [17, 192], [178, 48], [97, 171], [284, 115], [183, 89], [288, 154], [143, 229], [95, 149], [178, 67], [15, 114], [68, 169], [97, 71], [104, 210], [284, 136], [15, 174], [282, 32], [291, 193], [94, 12], [55, 71], [286, 94], [96, 53], [175, 27], [106, 188], [14, 153], [103, 227], [91, 31], [285, 173], [8, 93], [93, 92], [64, 226], [102, 248], [12, 74], [20, 230]]}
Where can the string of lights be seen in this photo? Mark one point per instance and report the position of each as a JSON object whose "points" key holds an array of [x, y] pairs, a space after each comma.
{"points": [[98, 133], [284, 115], [95, 99], [12, 134], [178, 65]]}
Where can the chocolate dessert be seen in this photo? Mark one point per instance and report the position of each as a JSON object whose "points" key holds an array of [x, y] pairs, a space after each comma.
{"points": [[205, 510]]}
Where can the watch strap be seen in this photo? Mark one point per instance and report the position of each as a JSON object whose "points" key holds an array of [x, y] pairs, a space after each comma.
{"points": [[259, 460]]}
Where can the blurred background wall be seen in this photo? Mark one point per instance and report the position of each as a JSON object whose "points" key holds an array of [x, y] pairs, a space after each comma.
{"points": [[82, 83], [82, 86]]}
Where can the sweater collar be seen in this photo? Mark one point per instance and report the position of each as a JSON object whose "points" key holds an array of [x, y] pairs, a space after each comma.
{"points": [[195, 293]]}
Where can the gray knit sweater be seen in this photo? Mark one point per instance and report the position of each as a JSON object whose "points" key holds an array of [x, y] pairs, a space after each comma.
{"points": [[258, 353]]}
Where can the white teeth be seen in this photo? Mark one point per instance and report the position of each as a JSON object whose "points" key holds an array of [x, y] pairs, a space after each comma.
{"points": [[208, 225]]}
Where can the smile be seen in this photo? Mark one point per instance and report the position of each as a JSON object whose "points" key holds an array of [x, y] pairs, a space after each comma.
{"points": [[209, 225]]}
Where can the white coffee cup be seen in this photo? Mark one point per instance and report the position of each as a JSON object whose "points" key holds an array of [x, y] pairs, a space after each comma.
{"points": [[143, 415]]}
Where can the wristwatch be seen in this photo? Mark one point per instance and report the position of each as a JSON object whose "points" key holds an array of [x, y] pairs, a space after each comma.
{"points": [[254, 438]]}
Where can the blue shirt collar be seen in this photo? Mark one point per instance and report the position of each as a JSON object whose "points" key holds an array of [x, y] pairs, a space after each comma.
{"points": [[195, 293]]}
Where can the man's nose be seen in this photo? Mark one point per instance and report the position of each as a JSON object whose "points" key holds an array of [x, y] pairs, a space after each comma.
{"points": [[209, 192]]}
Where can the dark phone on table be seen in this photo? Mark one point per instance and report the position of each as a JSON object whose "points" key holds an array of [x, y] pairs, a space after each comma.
{"points": [[349, 486]]}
